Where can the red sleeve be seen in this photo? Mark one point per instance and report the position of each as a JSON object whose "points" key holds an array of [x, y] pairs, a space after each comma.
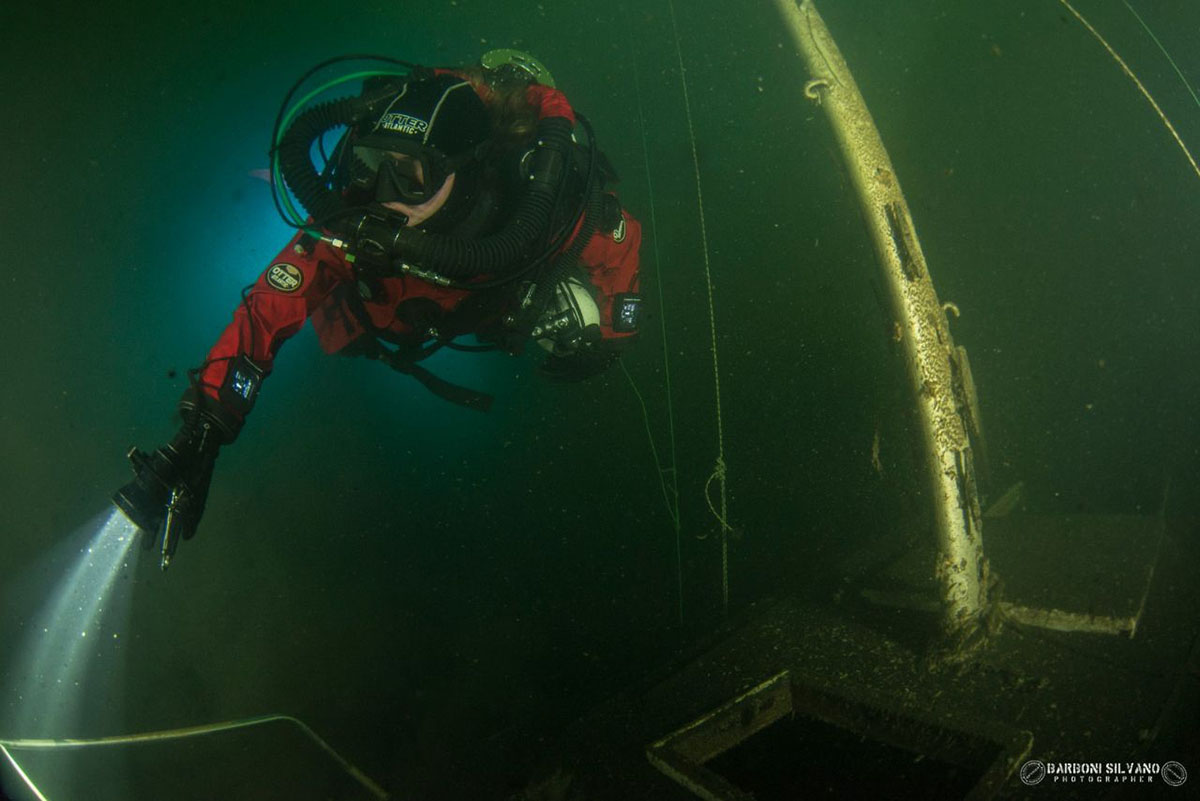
{"points": [[275, 308], [549, 102], [611, 259]]}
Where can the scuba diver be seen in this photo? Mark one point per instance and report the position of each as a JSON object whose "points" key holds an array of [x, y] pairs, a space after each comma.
{"points": [[456, 202]]}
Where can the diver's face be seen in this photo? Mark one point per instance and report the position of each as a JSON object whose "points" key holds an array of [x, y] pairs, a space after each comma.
{"points": [[418, 214]]}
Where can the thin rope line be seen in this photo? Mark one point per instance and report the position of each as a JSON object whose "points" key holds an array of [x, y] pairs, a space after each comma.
{"points": [[719, 469], [671, 503], [193, 731], [672, 498], [1170, 60], [1145, 92]]}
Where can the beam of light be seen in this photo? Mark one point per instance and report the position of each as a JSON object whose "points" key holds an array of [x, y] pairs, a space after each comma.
{"points": [[66, 674], [66, 678]]}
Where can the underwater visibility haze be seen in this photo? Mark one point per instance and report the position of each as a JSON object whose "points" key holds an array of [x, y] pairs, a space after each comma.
{"points": [[516, 604]]}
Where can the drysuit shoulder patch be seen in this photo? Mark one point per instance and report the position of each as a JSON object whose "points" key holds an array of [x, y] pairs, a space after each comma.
{"points": [[619, 232], [285, 277]]}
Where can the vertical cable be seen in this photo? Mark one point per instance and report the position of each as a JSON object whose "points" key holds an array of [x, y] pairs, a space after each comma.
{"points": [[719, 469], [1137, 82], [1166, 55], [671, 496]]}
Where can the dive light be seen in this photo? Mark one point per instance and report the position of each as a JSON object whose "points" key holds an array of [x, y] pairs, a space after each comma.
{"points": [[154, 499], [166, 497]]}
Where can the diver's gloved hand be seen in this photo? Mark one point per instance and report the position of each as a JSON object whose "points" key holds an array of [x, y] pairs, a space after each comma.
{"points": [[166, 498]]}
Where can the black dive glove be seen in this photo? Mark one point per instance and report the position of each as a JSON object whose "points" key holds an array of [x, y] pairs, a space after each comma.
{"points": [[166, 498]]}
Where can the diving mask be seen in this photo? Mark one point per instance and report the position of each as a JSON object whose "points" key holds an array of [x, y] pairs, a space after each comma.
{"points": [[387, 175]]}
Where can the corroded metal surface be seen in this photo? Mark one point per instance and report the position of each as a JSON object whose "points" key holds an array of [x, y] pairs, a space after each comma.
{"points": [[994, 750], [940, 385]]}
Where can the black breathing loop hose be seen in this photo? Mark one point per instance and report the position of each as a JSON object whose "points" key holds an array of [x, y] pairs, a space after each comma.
{"points": [[287, 99], [459, 258], [299, 174], [556, 242], [455, 257], [592, 208]]}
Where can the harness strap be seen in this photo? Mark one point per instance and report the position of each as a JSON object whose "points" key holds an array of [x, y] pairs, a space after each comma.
{"points": [[406, 363], [444, 389]]}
